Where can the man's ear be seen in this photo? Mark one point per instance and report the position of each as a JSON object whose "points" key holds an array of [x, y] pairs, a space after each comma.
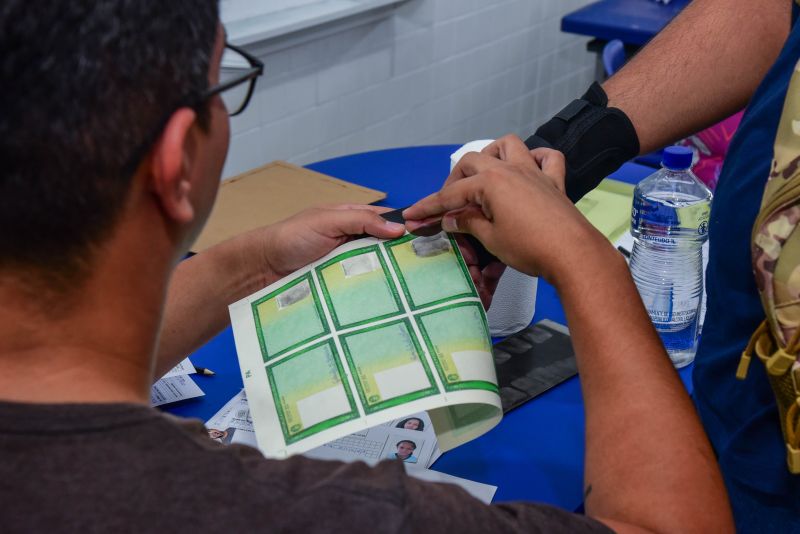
{"points": [[170, 166]]}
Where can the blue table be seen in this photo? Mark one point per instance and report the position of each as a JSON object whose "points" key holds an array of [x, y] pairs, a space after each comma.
{"points": [[536, 452], [633, 22]]}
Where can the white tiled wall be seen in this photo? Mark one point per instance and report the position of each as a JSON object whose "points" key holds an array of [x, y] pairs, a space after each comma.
{"points": [[435, 71]]}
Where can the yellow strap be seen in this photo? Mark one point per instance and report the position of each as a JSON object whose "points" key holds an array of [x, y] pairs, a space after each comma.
{"points": [[744, 365], [793, 459], [747, 354], [780, 362]]}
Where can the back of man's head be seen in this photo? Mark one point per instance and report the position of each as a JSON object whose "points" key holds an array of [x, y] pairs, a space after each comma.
{"points": [[87, 85]]}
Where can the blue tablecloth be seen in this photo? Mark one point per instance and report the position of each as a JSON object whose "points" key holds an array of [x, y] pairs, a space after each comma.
{"points": [[536, 452], [633, 22]]}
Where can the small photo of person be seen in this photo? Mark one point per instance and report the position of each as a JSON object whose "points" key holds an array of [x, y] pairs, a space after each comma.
{"points": [[221, 436], [411, 423], [405, 451]]}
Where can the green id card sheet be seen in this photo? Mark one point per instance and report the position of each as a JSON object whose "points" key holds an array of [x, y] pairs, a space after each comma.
{"points": [[374, 331]]}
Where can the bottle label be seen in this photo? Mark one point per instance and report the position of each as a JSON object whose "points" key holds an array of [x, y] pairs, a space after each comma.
{"points": [[675, 321], [680, 313], [656, 221], [695, 217]]}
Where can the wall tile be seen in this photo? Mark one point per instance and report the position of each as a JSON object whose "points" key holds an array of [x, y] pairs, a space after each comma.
{"points": [[435, 71]]}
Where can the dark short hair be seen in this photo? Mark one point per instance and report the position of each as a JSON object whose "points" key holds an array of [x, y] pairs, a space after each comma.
{"points": [[406, 441], [84, 83], [402, 423]]}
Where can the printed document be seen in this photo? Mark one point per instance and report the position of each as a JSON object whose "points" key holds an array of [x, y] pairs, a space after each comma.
{"points": [[183, 368], [369, 334], [174, 389], [233, 424]]}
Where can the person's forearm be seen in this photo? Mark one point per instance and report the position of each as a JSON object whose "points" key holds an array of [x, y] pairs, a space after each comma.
{"points": [[196, 308], [700, 69], [636, 473]]}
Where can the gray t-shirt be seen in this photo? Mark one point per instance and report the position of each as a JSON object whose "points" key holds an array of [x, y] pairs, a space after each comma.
{"points": [[128, 468]]}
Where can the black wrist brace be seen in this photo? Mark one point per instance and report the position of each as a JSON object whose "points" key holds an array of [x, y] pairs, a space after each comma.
{"points": [[595, 140]]}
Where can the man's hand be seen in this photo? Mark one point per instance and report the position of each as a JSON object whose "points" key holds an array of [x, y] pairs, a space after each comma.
{"points": [[282, 248], [515, 207], [485, 279], [507, 148], [512, 149]]}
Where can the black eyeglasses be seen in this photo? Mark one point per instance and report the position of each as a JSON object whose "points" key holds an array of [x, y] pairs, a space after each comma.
{"points": [[239, 71]]}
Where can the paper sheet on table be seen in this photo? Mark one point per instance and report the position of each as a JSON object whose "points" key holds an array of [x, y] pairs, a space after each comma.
{"points": [[233, 424], [482, 492], [371, 333], [183, 368], [383, 441], [608, 208], [174, 389]]}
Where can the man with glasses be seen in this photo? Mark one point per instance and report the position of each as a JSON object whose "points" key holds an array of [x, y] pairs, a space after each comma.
{"points": [[113, 132]]}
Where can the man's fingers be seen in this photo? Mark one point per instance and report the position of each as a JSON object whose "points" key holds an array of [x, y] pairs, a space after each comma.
{"points": [[475, 274], [473, 163], [469, 164], [550, 161], [375, 209], [431, 225], [491, 275], [494, 150], [509, 148], [467, 251], [470, 220], [362, 221], [458, 172], [454, 196]]}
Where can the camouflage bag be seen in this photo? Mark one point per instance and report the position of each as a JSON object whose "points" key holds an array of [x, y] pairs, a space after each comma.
{"points": [[775, 253]]}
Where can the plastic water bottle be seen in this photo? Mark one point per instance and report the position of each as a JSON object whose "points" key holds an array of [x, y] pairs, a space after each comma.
{"points": [[669, 223]]}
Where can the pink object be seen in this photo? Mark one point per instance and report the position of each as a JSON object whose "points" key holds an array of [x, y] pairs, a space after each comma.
{"points": [[710, 148]]}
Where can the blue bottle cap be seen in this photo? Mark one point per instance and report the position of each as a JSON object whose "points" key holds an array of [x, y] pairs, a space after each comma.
{"points": [[677, 158]]}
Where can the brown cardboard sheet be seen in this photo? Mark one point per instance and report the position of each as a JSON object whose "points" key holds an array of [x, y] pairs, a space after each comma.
{"points": [[271, 193]]}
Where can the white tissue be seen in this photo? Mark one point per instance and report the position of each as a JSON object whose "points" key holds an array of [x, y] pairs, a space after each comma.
{"points": [[513, 304], [514, 301]]}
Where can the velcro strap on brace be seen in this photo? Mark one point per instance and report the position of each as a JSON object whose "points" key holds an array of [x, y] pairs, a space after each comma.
{"points": [[595, 140]]}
